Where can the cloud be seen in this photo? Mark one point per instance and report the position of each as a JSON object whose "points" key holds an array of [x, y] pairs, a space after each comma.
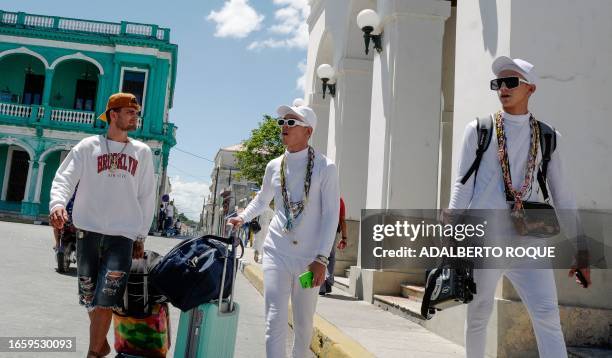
{"points": [[188, 196], [236, 19], [290, 29], [301, 81]]}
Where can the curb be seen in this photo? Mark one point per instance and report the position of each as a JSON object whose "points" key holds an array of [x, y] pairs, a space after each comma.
{"points": [[327, 340]]}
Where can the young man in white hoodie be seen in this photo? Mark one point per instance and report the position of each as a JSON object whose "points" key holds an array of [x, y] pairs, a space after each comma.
{"points": [[113, 211], [304, 186], [515, 83]]}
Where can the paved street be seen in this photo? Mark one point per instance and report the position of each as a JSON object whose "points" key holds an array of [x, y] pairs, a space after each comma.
{"points": [[37, 301]]}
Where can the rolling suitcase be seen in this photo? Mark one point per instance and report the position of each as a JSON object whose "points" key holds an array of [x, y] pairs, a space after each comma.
{"points": [[209, 330]]}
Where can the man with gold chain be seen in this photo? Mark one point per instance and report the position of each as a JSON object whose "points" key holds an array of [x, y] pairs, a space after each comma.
{"points": [[113, 211], [305, 189]]}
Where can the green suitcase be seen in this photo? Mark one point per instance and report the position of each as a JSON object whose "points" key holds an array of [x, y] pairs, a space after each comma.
{"points": [[209, 330]]}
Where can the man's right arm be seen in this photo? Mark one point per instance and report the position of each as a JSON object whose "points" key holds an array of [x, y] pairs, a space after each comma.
{"points": [[462, 193], [66, 179], [261, 201]]}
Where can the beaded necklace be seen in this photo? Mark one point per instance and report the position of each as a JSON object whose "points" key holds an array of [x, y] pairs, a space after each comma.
{"points": [[502, 153], [294, 209]]}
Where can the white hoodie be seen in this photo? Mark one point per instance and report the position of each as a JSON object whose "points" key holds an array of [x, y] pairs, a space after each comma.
{"points": [[120, 203]]}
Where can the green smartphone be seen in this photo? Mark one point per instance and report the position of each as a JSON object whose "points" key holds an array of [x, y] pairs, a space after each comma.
{"points": [[306, 279]]}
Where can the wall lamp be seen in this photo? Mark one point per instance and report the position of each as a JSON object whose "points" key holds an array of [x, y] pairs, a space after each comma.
{"points": [[368, 21], [327, 75]]}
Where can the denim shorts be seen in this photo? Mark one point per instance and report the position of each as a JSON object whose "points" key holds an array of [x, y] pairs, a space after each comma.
{"points": [[103, 266]]}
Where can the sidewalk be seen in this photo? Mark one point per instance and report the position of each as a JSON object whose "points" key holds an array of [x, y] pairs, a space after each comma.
{"points": [[346, 327]]}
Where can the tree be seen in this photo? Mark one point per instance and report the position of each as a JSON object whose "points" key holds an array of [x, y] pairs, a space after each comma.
{"points": [[262, 146]]}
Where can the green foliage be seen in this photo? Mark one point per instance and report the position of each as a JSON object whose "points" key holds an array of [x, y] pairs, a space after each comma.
{"points": [[185, 220], [262, 146]]}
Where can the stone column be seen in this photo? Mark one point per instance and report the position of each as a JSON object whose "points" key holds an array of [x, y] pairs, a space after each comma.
{"points": [[320, 106], [28, 208], [47, 96], [101, 99], [39, 178], [351, 131], [405, 120]]}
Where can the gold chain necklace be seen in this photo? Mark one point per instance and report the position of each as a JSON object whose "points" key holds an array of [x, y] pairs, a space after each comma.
{"points": [[114, 159]]}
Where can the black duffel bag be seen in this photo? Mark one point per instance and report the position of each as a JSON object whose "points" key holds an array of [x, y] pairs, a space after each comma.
{"points": [[190, 274]]}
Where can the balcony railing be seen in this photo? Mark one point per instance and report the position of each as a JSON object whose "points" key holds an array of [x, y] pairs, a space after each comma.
{"points": [[15, 110], [66, 119], [64, 24], [72, 116]]}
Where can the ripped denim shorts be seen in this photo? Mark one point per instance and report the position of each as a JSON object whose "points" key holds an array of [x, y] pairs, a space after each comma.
{"points": [[103, 266]]}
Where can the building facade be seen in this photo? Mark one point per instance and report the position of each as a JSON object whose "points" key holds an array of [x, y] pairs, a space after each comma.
{"points": [[56, 75], [395, 127], [227, 194]]}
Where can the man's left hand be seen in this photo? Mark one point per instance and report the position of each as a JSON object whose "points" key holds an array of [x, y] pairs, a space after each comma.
{"points": [[138, 250], [586, 272], [318, 273]]}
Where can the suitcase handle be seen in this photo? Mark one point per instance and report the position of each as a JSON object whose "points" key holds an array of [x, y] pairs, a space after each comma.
{"points": [[231, 241]]}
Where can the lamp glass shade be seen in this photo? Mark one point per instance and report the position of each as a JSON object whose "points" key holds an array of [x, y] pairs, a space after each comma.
{"points": [[368, 17], [325, 71]]}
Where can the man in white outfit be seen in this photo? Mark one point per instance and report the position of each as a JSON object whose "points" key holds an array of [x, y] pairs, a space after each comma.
{"points": [[304, 186], [515, 83]]}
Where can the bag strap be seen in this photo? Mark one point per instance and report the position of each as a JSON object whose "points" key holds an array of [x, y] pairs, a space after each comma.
{"points": [[430, 285], [548, 144], [232, 240], [484, 129]]}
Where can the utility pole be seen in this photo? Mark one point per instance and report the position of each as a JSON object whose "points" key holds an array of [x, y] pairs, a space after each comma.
{"points": [[214, 203]]}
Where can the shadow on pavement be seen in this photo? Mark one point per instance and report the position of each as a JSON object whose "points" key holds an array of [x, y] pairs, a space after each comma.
{"points": [[339, 297]]}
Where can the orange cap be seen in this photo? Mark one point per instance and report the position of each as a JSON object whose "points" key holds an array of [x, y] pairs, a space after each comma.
{"points": [[120, 100]]}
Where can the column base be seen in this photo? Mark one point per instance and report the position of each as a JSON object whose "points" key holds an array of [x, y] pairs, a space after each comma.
{"points": [[30, 210]]}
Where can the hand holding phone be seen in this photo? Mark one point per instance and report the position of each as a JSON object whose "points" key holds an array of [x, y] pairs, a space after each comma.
{"points": [[306, 279]]}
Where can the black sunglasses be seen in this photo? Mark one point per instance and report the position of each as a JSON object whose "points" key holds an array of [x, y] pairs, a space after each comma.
{"points": [[510, 82]]}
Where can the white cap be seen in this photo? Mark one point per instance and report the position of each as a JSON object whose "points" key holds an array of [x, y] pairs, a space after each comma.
{"points": [[521, 66], [305, 113]]}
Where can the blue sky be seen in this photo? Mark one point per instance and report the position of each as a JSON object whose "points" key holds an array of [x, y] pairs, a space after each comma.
{"points": [[237, 60]]}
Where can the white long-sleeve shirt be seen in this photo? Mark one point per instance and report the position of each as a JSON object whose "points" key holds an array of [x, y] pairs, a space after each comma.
{"points": [[120, 203], [488, 192], [315, 229]]}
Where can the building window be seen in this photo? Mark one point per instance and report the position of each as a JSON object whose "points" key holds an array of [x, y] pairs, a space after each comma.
{"points": [[85, 96], [33, 89], [134, 81]]}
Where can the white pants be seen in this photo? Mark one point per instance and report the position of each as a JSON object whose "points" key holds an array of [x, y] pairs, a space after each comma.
{"points": [[281, 282], [537, 291]]}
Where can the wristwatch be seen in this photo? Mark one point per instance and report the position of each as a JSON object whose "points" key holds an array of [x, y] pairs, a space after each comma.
{"points": [[322, 260], [140, 238]]}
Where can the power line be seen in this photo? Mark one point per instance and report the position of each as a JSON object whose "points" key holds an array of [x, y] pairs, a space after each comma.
{"points": [[193, 154], [186, 173]]}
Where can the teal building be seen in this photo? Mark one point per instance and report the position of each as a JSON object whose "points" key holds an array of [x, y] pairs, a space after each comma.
{"points": [[56, 75]]}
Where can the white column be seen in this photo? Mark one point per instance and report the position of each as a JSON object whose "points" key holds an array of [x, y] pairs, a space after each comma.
{"points": [[321, 108], [350, 131], [41, 171], [405, 121], [405, 111], [26, 194]]}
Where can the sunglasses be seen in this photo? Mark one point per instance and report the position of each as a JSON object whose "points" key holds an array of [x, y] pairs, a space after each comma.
{"points": [[510, 82], [291, 123]]}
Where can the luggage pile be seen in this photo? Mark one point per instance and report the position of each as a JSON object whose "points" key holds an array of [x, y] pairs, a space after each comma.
{"points": [[196, 276]]}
